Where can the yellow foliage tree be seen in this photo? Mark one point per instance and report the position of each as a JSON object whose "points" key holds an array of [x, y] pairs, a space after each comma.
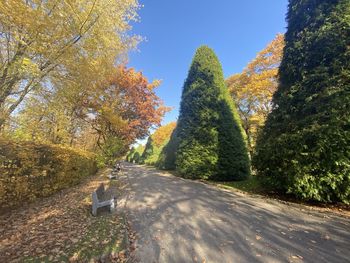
{"points": [[46, 41], [162, 134], [252, 89], [156, 143]]}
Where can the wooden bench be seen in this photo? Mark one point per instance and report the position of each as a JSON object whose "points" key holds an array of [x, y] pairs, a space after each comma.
{"points": [[99, 200]]}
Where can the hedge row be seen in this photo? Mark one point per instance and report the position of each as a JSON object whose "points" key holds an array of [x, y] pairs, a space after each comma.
{"points": [[29, 170]]}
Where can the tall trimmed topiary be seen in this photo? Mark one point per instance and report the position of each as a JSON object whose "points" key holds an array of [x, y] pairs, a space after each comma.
{"points": [[156, 143], [209, 133], [134, 155], [130, 154], [167, 156], [148, 151], [304, 147], [136, 158]]}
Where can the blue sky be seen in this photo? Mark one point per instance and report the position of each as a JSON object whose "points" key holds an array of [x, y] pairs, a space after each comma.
{"points": [[235, 29]]}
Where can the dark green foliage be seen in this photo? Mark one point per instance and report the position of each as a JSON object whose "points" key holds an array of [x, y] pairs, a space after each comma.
{"points": [[167, 157], [148, 151], [210, 143], [136, 158], [130, 154], [112, 149], [304, 148], [136, 154]]}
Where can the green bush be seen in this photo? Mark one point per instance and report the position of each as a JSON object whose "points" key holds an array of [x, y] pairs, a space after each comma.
{"points": [[111, 150], [167, 156], [151, 152], [148, 151], [136, 158], [29, 170], [304, 147], [156, 143], [209, 133], [134, 155], [130, 154]]}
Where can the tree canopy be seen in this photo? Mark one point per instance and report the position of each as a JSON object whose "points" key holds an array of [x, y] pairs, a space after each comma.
{"points": [[252, 89], [43, 43]]}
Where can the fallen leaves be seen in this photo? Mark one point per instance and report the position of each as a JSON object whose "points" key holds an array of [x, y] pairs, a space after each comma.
{"points": [[297, 257], [50, 228]]}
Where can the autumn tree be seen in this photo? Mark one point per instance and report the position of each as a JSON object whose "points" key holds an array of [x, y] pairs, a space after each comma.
{"points": [[252, 89], [304, 146], [210, 137], [156, 142], [162, 134], [124, 106], [43, 41], [49, 118], [104, 118]]}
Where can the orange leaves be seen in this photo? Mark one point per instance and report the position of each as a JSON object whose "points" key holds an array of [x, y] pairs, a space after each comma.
{"points": [[141, 107], [125, 105]]}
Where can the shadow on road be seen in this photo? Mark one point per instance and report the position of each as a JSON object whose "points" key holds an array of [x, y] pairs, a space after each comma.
{"points": [[180, 220]]}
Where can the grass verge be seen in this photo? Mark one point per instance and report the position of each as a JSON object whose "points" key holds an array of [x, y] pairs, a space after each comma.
{"points": [[251, 185]]}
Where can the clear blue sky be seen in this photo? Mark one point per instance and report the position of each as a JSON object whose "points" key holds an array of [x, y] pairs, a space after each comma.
{"points": [[235, 29]]}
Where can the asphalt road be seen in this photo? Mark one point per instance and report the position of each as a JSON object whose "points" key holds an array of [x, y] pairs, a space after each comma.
{"points": [[178, 220]]}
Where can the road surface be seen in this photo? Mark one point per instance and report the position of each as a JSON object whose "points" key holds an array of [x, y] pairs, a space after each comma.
{"points": [[178, 220]]}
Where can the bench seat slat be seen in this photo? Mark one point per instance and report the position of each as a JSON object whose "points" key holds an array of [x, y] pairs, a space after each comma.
{"points": [[105, 203]]}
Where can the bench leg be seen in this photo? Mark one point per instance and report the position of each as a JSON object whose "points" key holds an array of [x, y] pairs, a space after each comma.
{"points": [[112, 207], [94, 210]]}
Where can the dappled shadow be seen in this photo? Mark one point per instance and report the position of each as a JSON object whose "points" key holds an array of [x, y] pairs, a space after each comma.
{"points": [[180, 220]]}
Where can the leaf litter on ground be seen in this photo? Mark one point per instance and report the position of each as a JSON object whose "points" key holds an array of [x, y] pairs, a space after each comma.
{"points": [[61, 227]]}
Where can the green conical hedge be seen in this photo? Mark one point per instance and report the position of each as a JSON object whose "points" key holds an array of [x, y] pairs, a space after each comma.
{"points": [[156, 143], [305, 146], [209, 133], [148, 151], [167, 156], [130, 154]]}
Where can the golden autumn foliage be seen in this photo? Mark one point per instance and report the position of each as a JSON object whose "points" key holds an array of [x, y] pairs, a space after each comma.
{"points": [[64, 90], [48, 42], [106, 117], [31, 170], [162, 134], [155, 144], [252, 89]]}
